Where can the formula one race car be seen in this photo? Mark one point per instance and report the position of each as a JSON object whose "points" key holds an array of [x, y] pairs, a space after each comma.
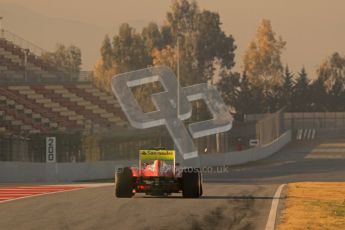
{"points": [[158, 175]]}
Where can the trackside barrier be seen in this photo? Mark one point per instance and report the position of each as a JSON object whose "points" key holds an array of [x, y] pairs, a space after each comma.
{"points": [[68, 172], [241, 157], [58, 172]]}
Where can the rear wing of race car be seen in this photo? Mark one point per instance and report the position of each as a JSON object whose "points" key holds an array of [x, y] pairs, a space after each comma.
{"points": [[163, 155]]}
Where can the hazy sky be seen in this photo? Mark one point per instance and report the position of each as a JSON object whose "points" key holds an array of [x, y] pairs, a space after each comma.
{"points": [[313, 29]]}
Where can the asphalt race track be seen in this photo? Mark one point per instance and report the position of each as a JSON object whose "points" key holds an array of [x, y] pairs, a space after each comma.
{"points": [[239, 199]]}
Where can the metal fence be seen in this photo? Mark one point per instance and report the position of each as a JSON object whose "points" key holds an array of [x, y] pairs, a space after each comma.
{"points": [[270, 127], [81, 147], [316, 120], [21, 42], [13, 148], [56, 73]]}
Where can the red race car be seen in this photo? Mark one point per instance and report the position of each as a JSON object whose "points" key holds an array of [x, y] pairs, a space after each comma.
{"points": [[158, 175]]}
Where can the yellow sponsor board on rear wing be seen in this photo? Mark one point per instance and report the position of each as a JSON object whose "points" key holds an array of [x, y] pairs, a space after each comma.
{"points": [[165, 155]]}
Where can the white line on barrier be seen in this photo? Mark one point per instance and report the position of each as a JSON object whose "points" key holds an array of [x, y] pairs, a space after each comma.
{"points": [[313, 135], [271, 221], [309, 134], [305, 133]]}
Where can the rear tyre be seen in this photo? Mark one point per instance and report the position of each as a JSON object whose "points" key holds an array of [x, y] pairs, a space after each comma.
{"points": [[191, 183], [124, 183]]}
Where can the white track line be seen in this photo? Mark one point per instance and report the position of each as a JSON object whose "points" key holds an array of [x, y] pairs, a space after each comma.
{"points": [[271, 221]]}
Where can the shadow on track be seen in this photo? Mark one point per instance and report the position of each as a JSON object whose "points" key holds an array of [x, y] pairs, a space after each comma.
{"points": [[241, 197], [215, 197]]}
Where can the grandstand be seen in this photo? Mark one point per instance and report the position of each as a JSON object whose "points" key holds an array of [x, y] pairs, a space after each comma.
{"points": [[44, 108], [39, 99]]}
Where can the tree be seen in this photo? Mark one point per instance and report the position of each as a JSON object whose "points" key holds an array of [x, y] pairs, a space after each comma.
{"points": [[213, 45], [166, 35], [152, 37], [262, 60], [272, 99], [229, 86], [286, 89], [319, 95], [67, 59], [301, 95], [74, 61], [252, 62], [129, 50], [333, 70], [202, 43], [101, 76], [337, 96], [166, 56], [250, 97], [203, 46], [106, 53]]}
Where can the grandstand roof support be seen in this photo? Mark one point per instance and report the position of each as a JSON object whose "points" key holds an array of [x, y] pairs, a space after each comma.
{"points": [[26, 51]]}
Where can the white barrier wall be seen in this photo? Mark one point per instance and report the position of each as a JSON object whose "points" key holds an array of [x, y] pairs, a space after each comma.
{"points": [[241, 157], [58, 172], [67, 172]]}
